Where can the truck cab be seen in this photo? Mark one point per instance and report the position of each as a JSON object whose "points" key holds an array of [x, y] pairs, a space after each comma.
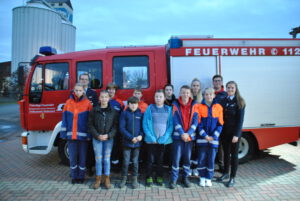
{"points": [[52, 78]]}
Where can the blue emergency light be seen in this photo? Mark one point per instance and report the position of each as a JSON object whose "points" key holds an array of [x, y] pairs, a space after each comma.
{"points": [[175, 43], [47, 50]]}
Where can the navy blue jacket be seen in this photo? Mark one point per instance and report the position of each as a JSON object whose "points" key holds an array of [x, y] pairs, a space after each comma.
{"points": [[233, 118], [220, 96], [92, 96], [131, 126]]}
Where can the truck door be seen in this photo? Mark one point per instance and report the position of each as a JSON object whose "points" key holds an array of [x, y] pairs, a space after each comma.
{"points": [[130, 70], [49, 90]]}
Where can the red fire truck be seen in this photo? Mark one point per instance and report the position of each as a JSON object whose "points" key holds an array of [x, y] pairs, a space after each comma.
{"points": [[267, 71]]}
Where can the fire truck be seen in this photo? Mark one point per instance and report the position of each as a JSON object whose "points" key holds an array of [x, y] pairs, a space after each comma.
{"points": [[266, 70]]}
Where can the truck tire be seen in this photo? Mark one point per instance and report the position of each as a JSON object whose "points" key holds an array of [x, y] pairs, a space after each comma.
{"points": [[63, 152], [247, 148]]}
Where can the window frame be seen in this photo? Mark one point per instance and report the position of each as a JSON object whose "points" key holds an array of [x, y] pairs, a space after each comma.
{"points": [[44, 75], [128, 56], [101, 68]]}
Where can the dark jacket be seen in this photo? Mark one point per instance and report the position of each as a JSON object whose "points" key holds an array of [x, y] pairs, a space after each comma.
{"points": [[169, 102], [103, 121], [131, 126], [233, 118], [220, 95], [92, 96]]}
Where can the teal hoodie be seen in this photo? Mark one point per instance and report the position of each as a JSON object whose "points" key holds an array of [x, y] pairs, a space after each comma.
{"points": [[150, 136]]}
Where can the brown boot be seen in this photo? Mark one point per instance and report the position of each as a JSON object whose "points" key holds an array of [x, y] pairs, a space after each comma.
{"points": [[107, 182], [98, 182]]}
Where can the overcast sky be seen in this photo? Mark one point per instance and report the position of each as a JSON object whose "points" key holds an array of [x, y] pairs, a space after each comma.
{"points": [[102, 23]]}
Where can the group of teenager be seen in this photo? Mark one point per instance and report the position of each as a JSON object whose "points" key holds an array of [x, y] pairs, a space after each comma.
{"points": [[194, 131]]}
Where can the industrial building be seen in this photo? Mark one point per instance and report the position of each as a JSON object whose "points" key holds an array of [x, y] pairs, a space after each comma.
{"points": [[41, 23]]}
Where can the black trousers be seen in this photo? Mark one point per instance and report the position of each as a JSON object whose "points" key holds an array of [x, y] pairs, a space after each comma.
{"points": [[231, 151], [155, 153], [90, 155]]}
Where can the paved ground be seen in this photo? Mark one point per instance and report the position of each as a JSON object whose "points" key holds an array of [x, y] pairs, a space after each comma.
{"points": [[273, 175], [9, 117]]}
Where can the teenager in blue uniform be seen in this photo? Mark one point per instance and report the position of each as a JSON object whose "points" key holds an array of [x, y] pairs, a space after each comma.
{"points": [[185, 118], [234, 110], [209, 129], [74, 130]]}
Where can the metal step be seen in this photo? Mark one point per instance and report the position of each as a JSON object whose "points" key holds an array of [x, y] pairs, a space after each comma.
{"points": [[38, 148]]}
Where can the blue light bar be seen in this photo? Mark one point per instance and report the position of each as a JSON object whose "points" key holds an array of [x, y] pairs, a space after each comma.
{"points": [[175, 43], [47, 50]]}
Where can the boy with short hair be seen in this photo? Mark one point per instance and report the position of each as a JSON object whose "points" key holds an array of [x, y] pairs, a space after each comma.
{"points": [[185, 123], [169, 93], [132, 135], [142, 105]]}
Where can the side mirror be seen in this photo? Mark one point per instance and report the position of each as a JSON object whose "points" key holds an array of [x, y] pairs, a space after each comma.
{"points": [[21, 75]]}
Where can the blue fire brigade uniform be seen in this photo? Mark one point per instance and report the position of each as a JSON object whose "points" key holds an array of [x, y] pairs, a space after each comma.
{"points": [[181, 149], [211, 123]]}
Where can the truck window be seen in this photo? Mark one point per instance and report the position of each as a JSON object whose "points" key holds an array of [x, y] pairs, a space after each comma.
{"points": [[37, 79], [94, 69], [131, 72], [36, 85], [56, 76]]}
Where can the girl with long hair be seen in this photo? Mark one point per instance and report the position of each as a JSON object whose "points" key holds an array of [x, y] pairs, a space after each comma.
{"points": [[234, 110]]}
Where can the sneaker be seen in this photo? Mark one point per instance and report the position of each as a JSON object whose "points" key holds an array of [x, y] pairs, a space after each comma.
{"points": [[195, 172], [172, 185], [202, 182], [123, 182], [159, 181], [149, 181], [208, 182]]}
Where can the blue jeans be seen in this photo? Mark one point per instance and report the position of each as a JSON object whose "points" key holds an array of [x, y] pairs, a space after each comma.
{"points": [[77, 156], [206, 161], [102, 151], [127, 152]]}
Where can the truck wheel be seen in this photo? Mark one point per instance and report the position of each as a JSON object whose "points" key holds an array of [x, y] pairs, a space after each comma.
{"points": [[63, 152], [247, 147]]}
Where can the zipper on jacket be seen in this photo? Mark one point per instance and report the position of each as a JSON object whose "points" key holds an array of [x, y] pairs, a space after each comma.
{"points": [[133, 124], [104, 116]]}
